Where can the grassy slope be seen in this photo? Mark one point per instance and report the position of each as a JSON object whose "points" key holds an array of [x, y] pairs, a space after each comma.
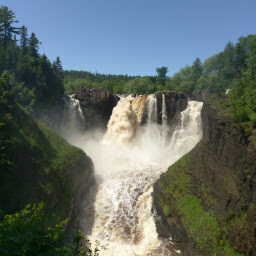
{"points": [[36, 162]]}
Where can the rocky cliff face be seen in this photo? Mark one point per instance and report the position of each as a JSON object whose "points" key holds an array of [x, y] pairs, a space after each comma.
{"points": [[175, 103], [97, 105], [207, 200]]}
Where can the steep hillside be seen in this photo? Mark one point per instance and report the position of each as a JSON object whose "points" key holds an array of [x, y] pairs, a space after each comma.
{"points": [[206, 200], [36, 163]]}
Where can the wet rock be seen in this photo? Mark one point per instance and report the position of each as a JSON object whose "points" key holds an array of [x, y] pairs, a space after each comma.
{"points": [[175, 102], [97, 105]]}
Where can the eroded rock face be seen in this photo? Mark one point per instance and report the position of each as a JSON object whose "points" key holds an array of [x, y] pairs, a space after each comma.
{"points": [[97, 105], [175, 102], [221, 173]]}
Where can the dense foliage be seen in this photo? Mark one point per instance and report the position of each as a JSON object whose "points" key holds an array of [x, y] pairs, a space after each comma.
{"points": [[35, 162], [26, 233], [33, 159], [38, 82], [117, 84]]}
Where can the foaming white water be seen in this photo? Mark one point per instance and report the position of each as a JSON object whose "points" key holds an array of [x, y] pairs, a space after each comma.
{"points": [[73, 118], [151, 109], [128, 160]]}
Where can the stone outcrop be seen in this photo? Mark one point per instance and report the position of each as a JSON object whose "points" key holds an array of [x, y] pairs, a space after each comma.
{"points": [[219, 174], [175, 103], [97, 105]]}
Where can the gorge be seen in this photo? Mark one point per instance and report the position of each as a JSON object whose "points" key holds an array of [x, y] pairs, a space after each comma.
{"points": [[145, 135], [148, 157], [200, 206]]}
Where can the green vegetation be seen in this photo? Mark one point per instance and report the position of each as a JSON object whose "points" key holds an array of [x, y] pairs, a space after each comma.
{"points": [[201, 225], [38, 83], [34, 159], [36, 164], [167, 210], [27, 233]]}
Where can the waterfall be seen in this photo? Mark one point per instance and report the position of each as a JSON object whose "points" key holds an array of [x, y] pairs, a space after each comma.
{"points": [[164, 115], [188, 130], [128, 159], [151, 109], [122, 123], [73, 118]]}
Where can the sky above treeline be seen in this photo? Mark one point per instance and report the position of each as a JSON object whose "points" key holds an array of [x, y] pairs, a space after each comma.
{"points": [[134, 37]]}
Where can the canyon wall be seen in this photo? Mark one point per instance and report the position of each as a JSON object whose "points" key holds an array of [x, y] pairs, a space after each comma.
{"points": [[206, 201]]}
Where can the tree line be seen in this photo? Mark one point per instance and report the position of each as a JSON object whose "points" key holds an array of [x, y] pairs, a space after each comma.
{"points": [[38, 83], [233, 68]]}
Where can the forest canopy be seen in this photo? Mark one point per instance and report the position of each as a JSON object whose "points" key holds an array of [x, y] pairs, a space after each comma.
{"points": [[38, 83]]}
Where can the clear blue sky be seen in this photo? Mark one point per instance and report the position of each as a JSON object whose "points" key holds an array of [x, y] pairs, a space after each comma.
{"points": [[134, 37]]}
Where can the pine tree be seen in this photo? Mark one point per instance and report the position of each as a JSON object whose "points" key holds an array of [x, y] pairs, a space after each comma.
{"points": [[57, 66], [7, 18], [197, 69], [24, 39], [33, 46]]}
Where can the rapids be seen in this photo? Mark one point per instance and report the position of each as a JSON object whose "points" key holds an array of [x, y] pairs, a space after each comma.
{"points": [[128, 159]]}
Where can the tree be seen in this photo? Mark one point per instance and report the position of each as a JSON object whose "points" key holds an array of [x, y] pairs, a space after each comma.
{"points": [[33, 46], [161, 72], [23, 39], [141, 85], [57, 66], [197, 69], [7, 18]]}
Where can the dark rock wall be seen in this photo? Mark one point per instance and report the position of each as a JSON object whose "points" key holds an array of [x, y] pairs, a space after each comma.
{"points": [[97, 105], [175, 102], [220, 172]]}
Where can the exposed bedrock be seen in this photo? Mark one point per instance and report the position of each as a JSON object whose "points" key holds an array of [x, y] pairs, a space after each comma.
{"points": [[206, 201], [175, 103], [97, 105]]}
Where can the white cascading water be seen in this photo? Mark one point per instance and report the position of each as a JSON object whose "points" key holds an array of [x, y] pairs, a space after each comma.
{"points": [[128, 159], [152, 110], [73, 118]]}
